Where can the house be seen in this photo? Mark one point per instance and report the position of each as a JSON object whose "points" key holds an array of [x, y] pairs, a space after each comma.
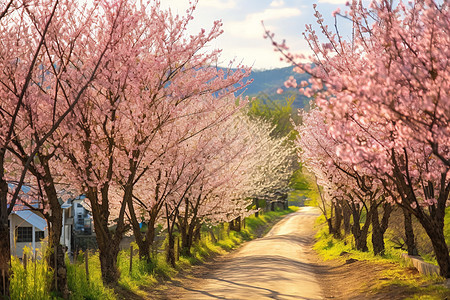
{"points": [[78, 226], [67, 229], [27, 228], [82, 217]]}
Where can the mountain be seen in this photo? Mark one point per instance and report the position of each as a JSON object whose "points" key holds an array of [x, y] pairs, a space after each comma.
{"points": [[266, 82]]}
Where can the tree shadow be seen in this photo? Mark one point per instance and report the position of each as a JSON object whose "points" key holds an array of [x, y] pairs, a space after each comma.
{"points": [[123, 293]]}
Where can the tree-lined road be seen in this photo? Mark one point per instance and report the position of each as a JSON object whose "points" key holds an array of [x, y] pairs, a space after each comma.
{"points": [[272, 267]]}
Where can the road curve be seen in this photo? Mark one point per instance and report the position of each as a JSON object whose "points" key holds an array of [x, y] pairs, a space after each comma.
{"points": [[272, 267]]}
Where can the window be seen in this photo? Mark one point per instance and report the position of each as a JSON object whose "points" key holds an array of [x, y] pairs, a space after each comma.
{"points": [[24, 234], [79, 205], [38, 235], [80, 220]]}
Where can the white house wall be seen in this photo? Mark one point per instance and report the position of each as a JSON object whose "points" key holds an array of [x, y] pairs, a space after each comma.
{"points": [[17, 248]]}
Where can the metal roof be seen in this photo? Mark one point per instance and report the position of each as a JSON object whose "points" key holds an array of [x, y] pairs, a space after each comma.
{"points": [[32, 218], [66, 204]]}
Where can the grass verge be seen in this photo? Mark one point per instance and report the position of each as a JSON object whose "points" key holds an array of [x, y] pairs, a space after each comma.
{"points": [[396, 278], [34, 282]]}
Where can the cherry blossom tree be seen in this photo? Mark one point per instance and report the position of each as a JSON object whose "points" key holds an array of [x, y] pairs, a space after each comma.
{"points": [[390, 82], [155, 69], [48, 61], [208, 171], [176, 155], [341, 180], [243, 162]]}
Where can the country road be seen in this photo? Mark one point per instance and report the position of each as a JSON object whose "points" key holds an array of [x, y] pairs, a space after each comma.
{"points": [[272, 267]]}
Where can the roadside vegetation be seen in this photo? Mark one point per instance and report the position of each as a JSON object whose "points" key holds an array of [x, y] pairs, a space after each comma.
{"points": [[398, 275], [33, 282], [375, 139]]}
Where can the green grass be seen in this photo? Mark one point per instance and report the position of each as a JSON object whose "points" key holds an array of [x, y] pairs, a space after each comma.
{"points": [[447, 225], [82, 287], [430, 293], [34, 283], [419, 286], [226, 241], [141, 273]]}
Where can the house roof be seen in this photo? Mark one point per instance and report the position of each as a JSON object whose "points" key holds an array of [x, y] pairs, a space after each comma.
{"points": [[28, 194], [66, 204], [32, 218]]}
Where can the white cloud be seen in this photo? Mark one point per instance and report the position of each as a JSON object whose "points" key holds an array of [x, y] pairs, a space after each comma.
{"points": [[219, 4], [251, 27], [259, 53], [273, 14], [277, 3], [333, 1], [177, 6]]}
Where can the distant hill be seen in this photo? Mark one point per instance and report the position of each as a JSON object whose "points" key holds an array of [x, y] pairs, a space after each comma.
{"points": [[265, 84]]}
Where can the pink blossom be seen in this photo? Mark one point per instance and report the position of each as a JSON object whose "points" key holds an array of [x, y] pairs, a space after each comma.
{"points": [[336, 12]]}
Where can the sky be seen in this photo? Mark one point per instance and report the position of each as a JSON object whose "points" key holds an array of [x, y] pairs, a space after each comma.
{"points": [[243, 40]]}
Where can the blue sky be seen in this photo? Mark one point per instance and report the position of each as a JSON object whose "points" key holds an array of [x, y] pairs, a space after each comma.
{"points": [[243, 33]]}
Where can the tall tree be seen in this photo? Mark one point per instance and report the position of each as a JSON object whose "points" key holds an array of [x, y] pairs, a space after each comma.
{"points": [[154, 70], [48, 62], [389, 84]]}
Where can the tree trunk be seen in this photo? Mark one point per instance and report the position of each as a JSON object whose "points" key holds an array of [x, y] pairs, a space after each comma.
{"points": [[433, 220], [170, 257], [361, 241], [337, 220], [213, 237], [108, 245], [231, 225], [238, 224], [108, 263], [61, 270], [360, 234], [409, 233], [145, 242], [107, 240], [186, 239], [235, 224], [346, 214], [387, 210], [5, 256], [256, 201], [377, 235], [144, 250], [55, 226], [436, 234], [187, 230], [197, 234], [330, 225], [5, 247]]}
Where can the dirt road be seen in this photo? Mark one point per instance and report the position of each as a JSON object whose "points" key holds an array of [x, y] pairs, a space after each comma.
{"points": [[272, 267]]}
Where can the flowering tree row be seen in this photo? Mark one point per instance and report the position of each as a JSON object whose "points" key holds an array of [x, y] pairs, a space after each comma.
{"points": [[115, 101], [382, 111], [51, 52]]}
